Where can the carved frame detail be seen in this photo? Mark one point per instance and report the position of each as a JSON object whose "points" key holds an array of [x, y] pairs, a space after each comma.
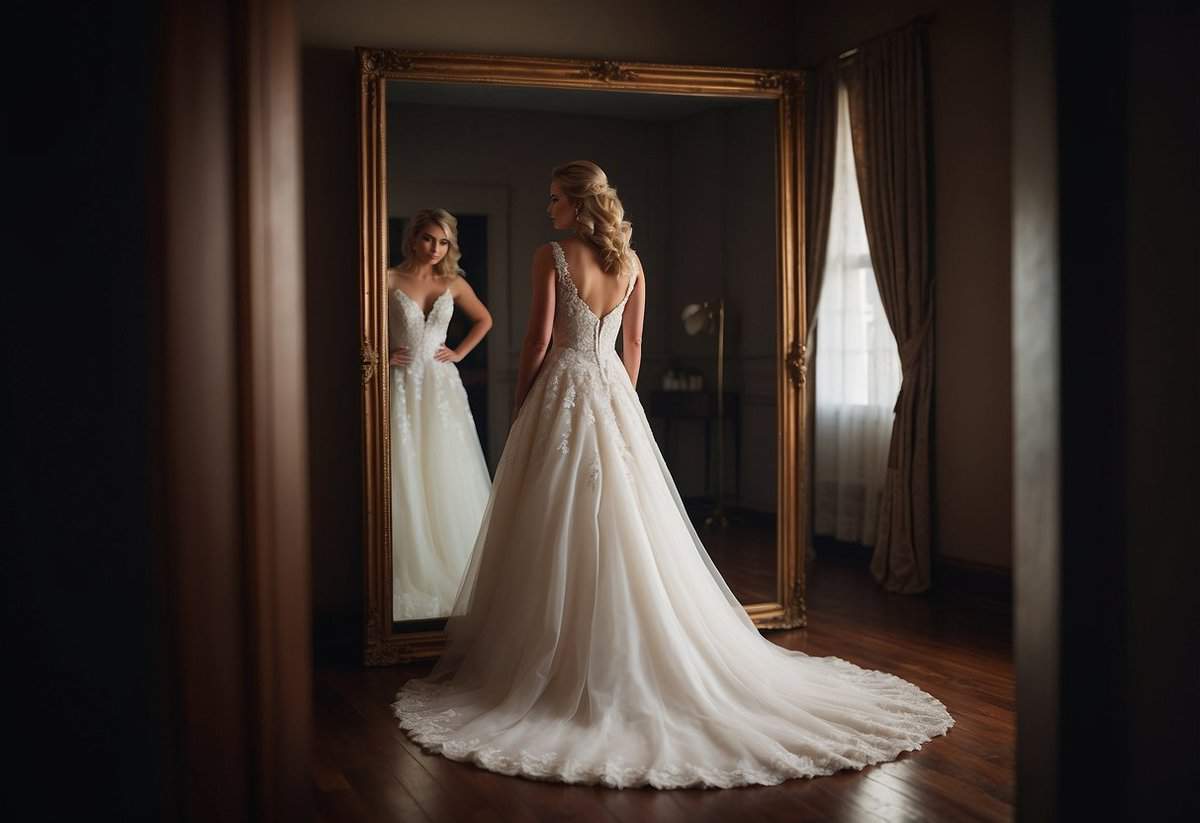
{"points": [[381, 644]]}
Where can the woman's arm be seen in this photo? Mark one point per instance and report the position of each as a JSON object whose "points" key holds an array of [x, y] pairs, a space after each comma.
{"points": [[473, 308], [541, 324], [631, 326]]}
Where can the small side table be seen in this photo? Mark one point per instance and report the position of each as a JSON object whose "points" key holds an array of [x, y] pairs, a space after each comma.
{"points": [[670, 406]]}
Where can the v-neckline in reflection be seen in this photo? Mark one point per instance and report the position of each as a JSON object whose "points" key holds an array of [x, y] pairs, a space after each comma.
{"points": [[432, 306]]}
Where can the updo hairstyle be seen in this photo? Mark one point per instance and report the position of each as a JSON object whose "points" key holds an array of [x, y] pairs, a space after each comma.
{"points": [[600, 217]]}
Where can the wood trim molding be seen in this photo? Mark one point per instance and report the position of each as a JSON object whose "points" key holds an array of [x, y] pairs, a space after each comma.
{"points": [[235, 496], [505, 70], [273, 401]]}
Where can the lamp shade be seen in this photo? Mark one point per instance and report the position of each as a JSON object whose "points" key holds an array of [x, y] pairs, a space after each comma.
{"points": [[697, 317]]}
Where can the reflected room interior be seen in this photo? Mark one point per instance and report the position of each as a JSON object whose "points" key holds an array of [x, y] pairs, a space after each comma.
{"points": [[698, 179]]}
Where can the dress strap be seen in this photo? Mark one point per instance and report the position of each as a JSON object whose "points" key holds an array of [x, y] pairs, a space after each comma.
{"points": [[633, 275], [560, 259]]}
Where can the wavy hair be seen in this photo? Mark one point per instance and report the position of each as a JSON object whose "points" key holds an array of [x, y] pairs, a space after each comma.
{"points": [[447, 222], [600, 216]]}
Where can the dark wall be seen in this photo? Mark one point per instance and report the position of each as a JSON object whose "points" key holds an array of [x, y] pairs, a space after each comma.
{"points": [[759, 33], [1108, 135], [748, 33], [1161, 362], [970, 97], [329, 81], [85, 633]]}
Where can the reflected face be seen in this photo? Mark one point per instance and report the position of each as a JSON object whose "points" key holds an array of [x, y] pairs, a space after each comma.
{"points": [[430, 244], [561, 210]]}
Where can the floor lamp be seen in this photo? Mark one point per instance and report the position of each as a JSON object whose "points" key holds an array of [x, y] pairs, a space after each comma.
{"points": [[709, 318]]}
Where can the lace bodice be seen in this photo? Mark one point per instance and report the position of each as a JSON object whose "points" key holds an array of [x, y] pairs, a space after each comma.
{"points": [[576, 326], [408, 326]]}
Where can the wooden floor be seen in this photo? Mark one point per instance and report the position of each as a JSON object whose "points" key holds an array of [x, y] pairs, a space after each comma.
{"points": [[954, 645], [744, 553]]}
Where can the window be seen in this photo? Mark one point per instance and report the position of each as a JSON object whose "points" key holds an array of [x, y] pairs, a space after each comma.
{"points": [[857, 365]]}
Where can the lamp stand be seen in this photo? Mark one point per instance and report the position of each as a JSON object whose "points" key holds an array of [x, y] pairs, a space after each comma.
{"points": [[717, 517]]}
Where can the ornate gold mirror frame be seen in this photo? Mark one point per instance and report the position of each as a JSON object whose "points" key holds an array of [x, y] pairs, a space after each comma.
{"points": [[383, 646]]}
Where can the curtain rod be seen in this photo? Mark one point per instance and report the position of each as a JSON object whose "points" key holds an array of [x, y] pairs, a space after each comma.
{"points": [[925, 19]]}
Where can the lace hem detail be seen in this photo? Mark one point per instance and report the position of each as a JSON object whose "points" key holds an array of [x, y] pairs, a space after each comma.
{"points": [[917, 718]]}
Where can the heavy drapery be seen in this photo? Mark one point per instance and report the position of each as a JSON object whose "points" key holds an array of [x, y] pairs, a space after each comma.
{"points": [[887, 82]]}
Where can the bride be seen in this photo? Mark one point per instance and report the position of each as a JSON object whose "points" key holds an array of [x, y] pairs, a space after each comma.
{"points": [[593, 641], [440, 481]]}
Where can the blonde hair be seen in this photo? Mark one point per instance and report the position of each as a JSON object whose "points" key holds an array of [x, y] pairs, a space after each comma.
{"points": [[448, 265], [600, 217]]}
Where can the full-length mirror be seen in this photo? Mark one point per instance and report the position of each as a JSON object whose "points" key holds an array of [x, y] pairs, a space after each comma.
{"points": [[457, 198]]}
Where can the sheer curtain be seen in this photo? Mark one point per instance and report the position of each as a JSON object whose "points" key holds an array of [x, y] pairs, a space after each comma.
{"points": [[857, 365]]}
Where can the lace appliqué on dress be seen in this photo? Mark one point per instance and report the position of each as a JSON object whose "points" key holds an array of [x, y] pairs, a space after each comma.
{"points": [[423, 335], [578, 399], [402, 427]]}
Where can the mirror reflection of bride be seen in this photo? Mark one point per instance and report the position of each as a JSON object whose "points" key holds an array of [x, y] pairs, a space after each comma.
{"points": [[439, 477]]}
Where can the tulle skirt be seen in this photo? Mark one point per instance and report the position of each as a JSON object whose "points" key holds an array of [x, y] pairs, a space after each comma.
{"points": [[594, 642], [440, 487]]}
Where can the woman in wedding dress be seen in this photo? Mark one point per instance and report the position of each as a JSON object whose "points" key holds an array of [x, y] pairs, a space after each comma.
{"points": [[440, 481], [593, 640]]}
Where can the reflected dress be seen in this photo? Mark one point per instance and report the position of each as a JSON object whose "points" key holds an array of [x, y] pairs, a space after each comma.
{"points": [[594, 641], [439, 477]]}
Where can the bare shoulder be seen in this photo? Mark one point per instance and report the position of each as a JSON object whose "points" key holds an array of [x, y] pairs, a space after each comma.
{"points": [[543, 261], [459, 287], [543, 254], [580, 252]]}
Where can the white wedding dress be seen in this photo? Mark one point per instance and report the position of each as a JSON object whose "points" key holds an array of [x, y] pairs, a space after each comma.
{"points": [[593, 640], [439, 477]]}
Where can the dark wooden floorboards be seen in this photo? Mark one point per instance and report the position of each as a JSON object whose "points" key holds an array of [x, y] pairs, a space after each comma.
{"points": [[954, 645]]}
